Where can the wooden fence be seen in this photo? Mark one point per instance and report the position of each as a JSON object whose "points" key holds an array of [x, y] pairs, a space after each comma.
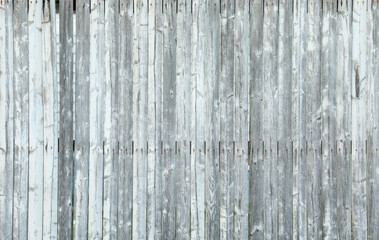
{"points": [[202, 119]]}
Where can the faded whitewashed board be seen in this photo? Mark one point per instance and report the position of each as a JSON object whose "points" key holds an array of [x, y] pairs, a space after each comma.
{"points": [[328, 126], [82, 134], [270, 118], [358, 135], [125, 123], [313, 116], [198, 45], [285, 120], [343, 120], [140, 101], [6, 119], [111, 120], [50, 97], [212, 120], [21, 120], [183, 119], [226, 121], [96, 121], [241, 116]]}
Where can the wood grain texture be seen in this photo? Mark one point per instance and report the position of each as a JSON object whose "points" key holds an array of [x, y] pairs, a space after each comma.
{"points": [[256, 121], [82, 119], [358, 135], [198, 121], [270, 105], [6, 119], [313, 116], [285, 121], [226, 121], [343, 120], [183, 116], [21, 120], [96, 121], [125, 123]]}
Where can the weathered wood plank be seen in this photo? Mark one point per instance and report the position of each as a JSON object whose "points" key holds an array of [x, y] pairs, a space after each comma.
{"points": [[96, 122], [140, 99], [21, 120], [328, 102], [270, 105], [125, 114], [65, 164], [82, 134], [169, 120], [6, 119], [111, 120], [198, 120], [343, 120], [226, 121], [313, 115], [285, 120], [50, 97], [256, 121], [359, 78], [183, 115], [241, 124]]}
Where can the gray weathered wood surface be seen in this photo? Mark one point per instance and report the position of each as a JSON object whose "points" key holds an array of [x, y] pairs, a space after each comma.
{"points": [[192, 119]]}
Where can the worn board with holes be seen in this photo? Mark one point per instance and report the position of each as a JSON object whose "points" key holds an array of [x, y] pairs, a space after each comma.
{"points": [[137, 119]]}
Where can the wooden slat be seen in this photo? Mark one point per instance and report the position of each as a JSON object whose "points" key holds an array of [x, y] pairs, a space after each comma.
{"points": [[110, 122], [256, 121], [82, 134], [21, 120], [313, 115], [285, 120], [226, 121], [65, 166], [140, 99], [183, 115], [96, 122], [241, 124], [270, 104], [343, 120], [50, 97], [198, 121], [359, 165], [6, 119], [125, 123]]}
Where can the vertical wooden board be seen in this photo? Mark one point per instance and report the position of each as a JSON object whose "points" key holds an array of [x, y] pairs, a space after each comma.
{"points": [[313, 115], [285, 121], [359, 77], [241, 124], [169, 114], [183, 114], [21, 120], [212, 121], [328, 102], [198, 120], [226, 121], [111, 121], [270, 104], [374, 233], [256, 121], [125, 114], [50, 174], [298, 119], [96, 121], [158, 76], [6, 119], [140, 100], [343, 120], [82, 134]]}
